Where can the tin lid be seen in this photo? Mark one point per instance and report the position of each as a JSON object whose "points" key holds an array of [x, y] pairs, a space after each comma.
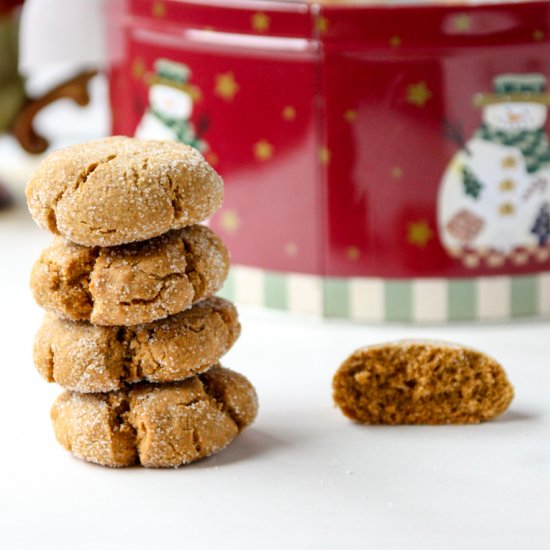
{"points": [[279, 18], [405, 25], [391, 2], [349, 24]]}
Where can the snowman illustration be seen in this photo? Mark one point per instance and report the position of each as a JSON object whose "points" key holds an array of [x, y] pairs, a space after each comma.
{"points": [[171, 98], [494, 197]]}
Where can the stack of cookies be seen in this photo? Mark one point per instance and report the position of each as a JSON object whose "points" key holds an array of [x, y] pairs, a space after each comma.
{"points": [[132, 331]]}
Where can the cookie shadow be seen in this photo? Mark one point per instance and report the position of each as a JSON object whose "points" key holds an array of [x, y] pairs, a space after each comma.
{"points": [[250, 444], [517, 416]]}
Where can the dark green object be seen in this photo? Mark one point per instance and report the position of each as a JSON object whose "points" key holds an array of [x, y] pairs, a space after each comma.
{"points": [[519, 84], [532, 143], [541, 227], [184, 132], [472, 185]]}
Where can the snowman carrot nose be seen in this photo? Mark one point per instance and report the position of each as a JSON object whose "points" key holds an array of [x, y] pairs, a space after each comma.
{"points": [[514, 117]]}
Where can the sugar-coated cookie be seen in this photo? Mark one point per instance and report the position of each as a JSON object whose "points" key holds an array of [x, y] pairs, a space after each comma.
{"points": [[119, 190], [87, 358], [421, 382], [158, 426], [133, 283]]}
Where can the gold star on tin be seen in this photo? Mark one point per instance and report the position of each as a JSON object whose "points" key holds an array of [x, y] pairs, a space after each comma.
{"points": [[138, 68], [456, 165], [324, 155], [226, 86], [260, 22], [538, 35], [352, 253], [212, 158], [418, 94], [322, 24], [350, 115], [397, 172], [395, 41], [291, 249], [158, 9], [419, 233], [462, 22], [263, 150], [509, 162], [289, 113], [229, 221]]}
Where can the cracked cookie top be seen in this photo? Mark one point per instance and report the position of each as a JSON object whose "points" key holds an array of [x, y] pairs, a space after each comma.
{"points": [[157, 426], [88, 358], [130, 284], [421, 382], [119, 190]]}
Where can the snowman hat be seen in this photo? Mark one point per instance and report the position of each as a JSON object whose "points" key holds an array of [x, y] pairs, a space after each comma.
{"points": [[175, 75], [509, 88]]}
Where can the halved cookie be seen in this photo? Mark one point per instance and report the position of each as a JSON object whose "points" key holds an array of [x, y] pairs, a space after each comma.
{"points": [[87, 358], [157, 426], [421, 382], [130, 284]]}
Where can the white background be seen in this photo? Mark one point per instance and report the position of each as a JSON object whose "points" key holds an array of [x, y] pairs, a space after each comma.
{"points": [[302, 476], [62, 32]]}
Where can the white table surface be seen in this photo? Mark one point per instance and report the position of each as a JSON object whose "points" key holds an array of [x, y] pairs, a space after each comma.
{"points": [[302, 476]]}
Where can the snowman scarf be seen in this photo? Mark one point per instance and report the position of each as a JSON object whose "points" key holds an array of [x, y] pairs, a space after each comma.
{"points": [[532, 143], [182, 129]]}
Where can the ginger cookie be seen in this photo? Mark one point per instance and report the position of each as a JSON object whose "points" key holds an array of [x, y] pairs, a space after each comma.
{"points": [[416, 382], [157, 426], [130, 284], [119, 190], [87, 358]]}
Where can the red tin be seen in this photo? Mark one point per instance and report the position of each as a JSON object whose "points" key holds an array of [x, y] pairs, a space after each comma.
{"points": [[382, 162], [8, 5]]}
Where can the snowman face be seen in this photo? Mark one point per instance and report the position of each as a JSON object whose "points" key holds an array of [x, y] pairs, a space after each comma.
{"points": [[171, 102], [516, 116]]}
